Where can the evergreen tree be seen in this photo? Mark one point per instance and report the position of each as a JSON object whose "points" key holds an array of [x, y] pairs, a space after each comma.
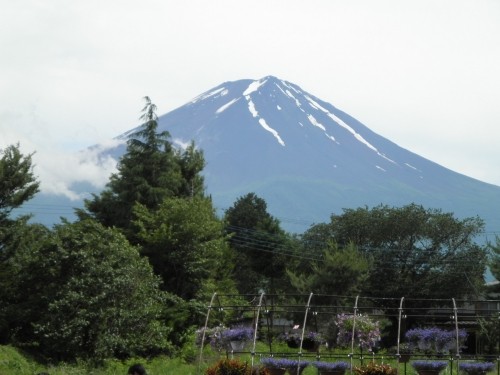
{"points": [[17, 185], [150, 171], [260, 246], [17, 181]]}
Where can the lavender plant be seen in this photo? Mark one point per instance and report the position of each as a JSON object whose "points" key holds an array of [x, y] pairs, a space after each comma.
{"points": [[475, 368], [330, 366], [435, 339], [435, 366], [283, 363], [366, 331]]}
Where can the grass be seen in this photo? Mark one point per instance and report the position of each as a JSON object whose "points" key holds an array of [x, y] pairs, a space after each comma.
{"points": [[14, 362]]}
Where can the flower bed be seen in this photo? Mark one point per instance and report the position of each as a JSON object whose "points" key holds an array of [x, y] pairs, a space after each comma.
{"points": [[331, 367], [476, 368], [429, 367], [294, 367], [435, 339]]}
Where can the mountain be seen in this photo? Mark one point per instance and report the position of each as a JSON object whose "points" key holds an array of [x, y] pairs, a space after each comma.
{"points": [[308, 159]]}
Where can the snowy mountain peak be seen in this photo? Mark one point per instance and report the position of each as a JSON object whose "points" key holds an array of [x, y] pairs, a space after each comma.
{"points": [[307, 158], [280, 109]]}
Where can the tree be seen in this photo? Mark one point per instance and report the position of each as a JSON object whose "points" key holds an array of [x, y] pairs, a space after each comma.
{"points": [[259, 244], [417, 252], [494, 261], [17, 181], [489, 333], [23, 240], [150, 171], [85, 292], [338, 271], [17, 185], [185, 243]]}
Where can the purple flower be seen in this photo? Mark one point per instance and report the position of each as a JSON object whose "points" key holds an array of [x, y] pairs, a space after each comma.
{"points": [[237, 334], [472, 368], [366, 331], [435, 339], [284, 363], [429, 365], [330, 366], [296, 337]]}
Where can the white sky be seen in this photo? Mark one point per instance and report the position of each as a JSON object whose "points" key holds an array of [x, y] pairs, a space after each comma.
{"points": [[424, 74]]}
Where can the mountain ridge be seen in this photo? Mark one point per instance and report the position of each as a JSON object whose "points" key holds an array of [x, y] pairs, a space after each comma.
{"points": [[309, 159], [299, 141]]}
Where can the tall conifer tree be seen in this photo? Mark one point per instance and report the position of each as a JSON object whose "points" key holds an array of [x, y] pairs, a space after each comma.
{"points": [[150, 171]]}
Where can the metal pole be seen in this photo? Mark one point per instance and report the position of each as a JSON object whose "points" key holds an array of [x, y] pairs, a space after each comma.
{"points": [[353, 329], [308, 306], [204, 331], [256, 325], [399, 327]]}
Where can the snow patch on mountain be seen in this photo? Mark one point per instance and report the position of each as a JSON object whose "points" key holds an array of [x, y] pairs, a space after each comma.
{"points": [[226, 106], [412, 167], [262, 122], [251, 107], [297, 102], [254, 86], [204, 96], [315, 122], [356, 135]]}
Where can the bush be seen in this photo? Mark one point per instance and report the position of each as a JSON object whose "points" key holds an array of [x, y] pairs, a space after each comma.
{"points": [[87, 294], [375, 369]]}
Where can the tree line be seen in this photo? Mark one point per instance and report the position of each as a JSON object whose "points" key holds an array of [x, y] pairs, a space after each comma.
{"points": [[133, 274]]}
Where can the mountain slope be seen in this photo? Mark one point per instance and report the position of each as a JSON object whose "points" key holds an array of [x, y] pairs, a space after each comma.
{"points": [[308, 159]]}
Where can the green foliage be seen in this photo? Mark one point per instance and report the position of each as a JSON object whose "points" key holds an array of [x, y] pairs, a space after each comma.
{"points": [[185, 243], [416, 252], [86, 293], [338, 270], [17, 185], [19, 249], [259, 245], [17, 181], [150, 171], [13, 362], [494, 261], [489, 333]]}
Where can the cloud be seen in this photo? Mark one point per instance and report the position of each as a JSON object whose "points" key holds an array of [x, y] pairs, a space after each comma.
{"points": [[60, 172], [410, 71]]}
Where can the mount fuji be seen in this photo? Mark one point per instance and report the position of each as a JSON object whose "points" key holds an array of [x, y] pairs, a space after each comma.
{"points": [[308, 159]]}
